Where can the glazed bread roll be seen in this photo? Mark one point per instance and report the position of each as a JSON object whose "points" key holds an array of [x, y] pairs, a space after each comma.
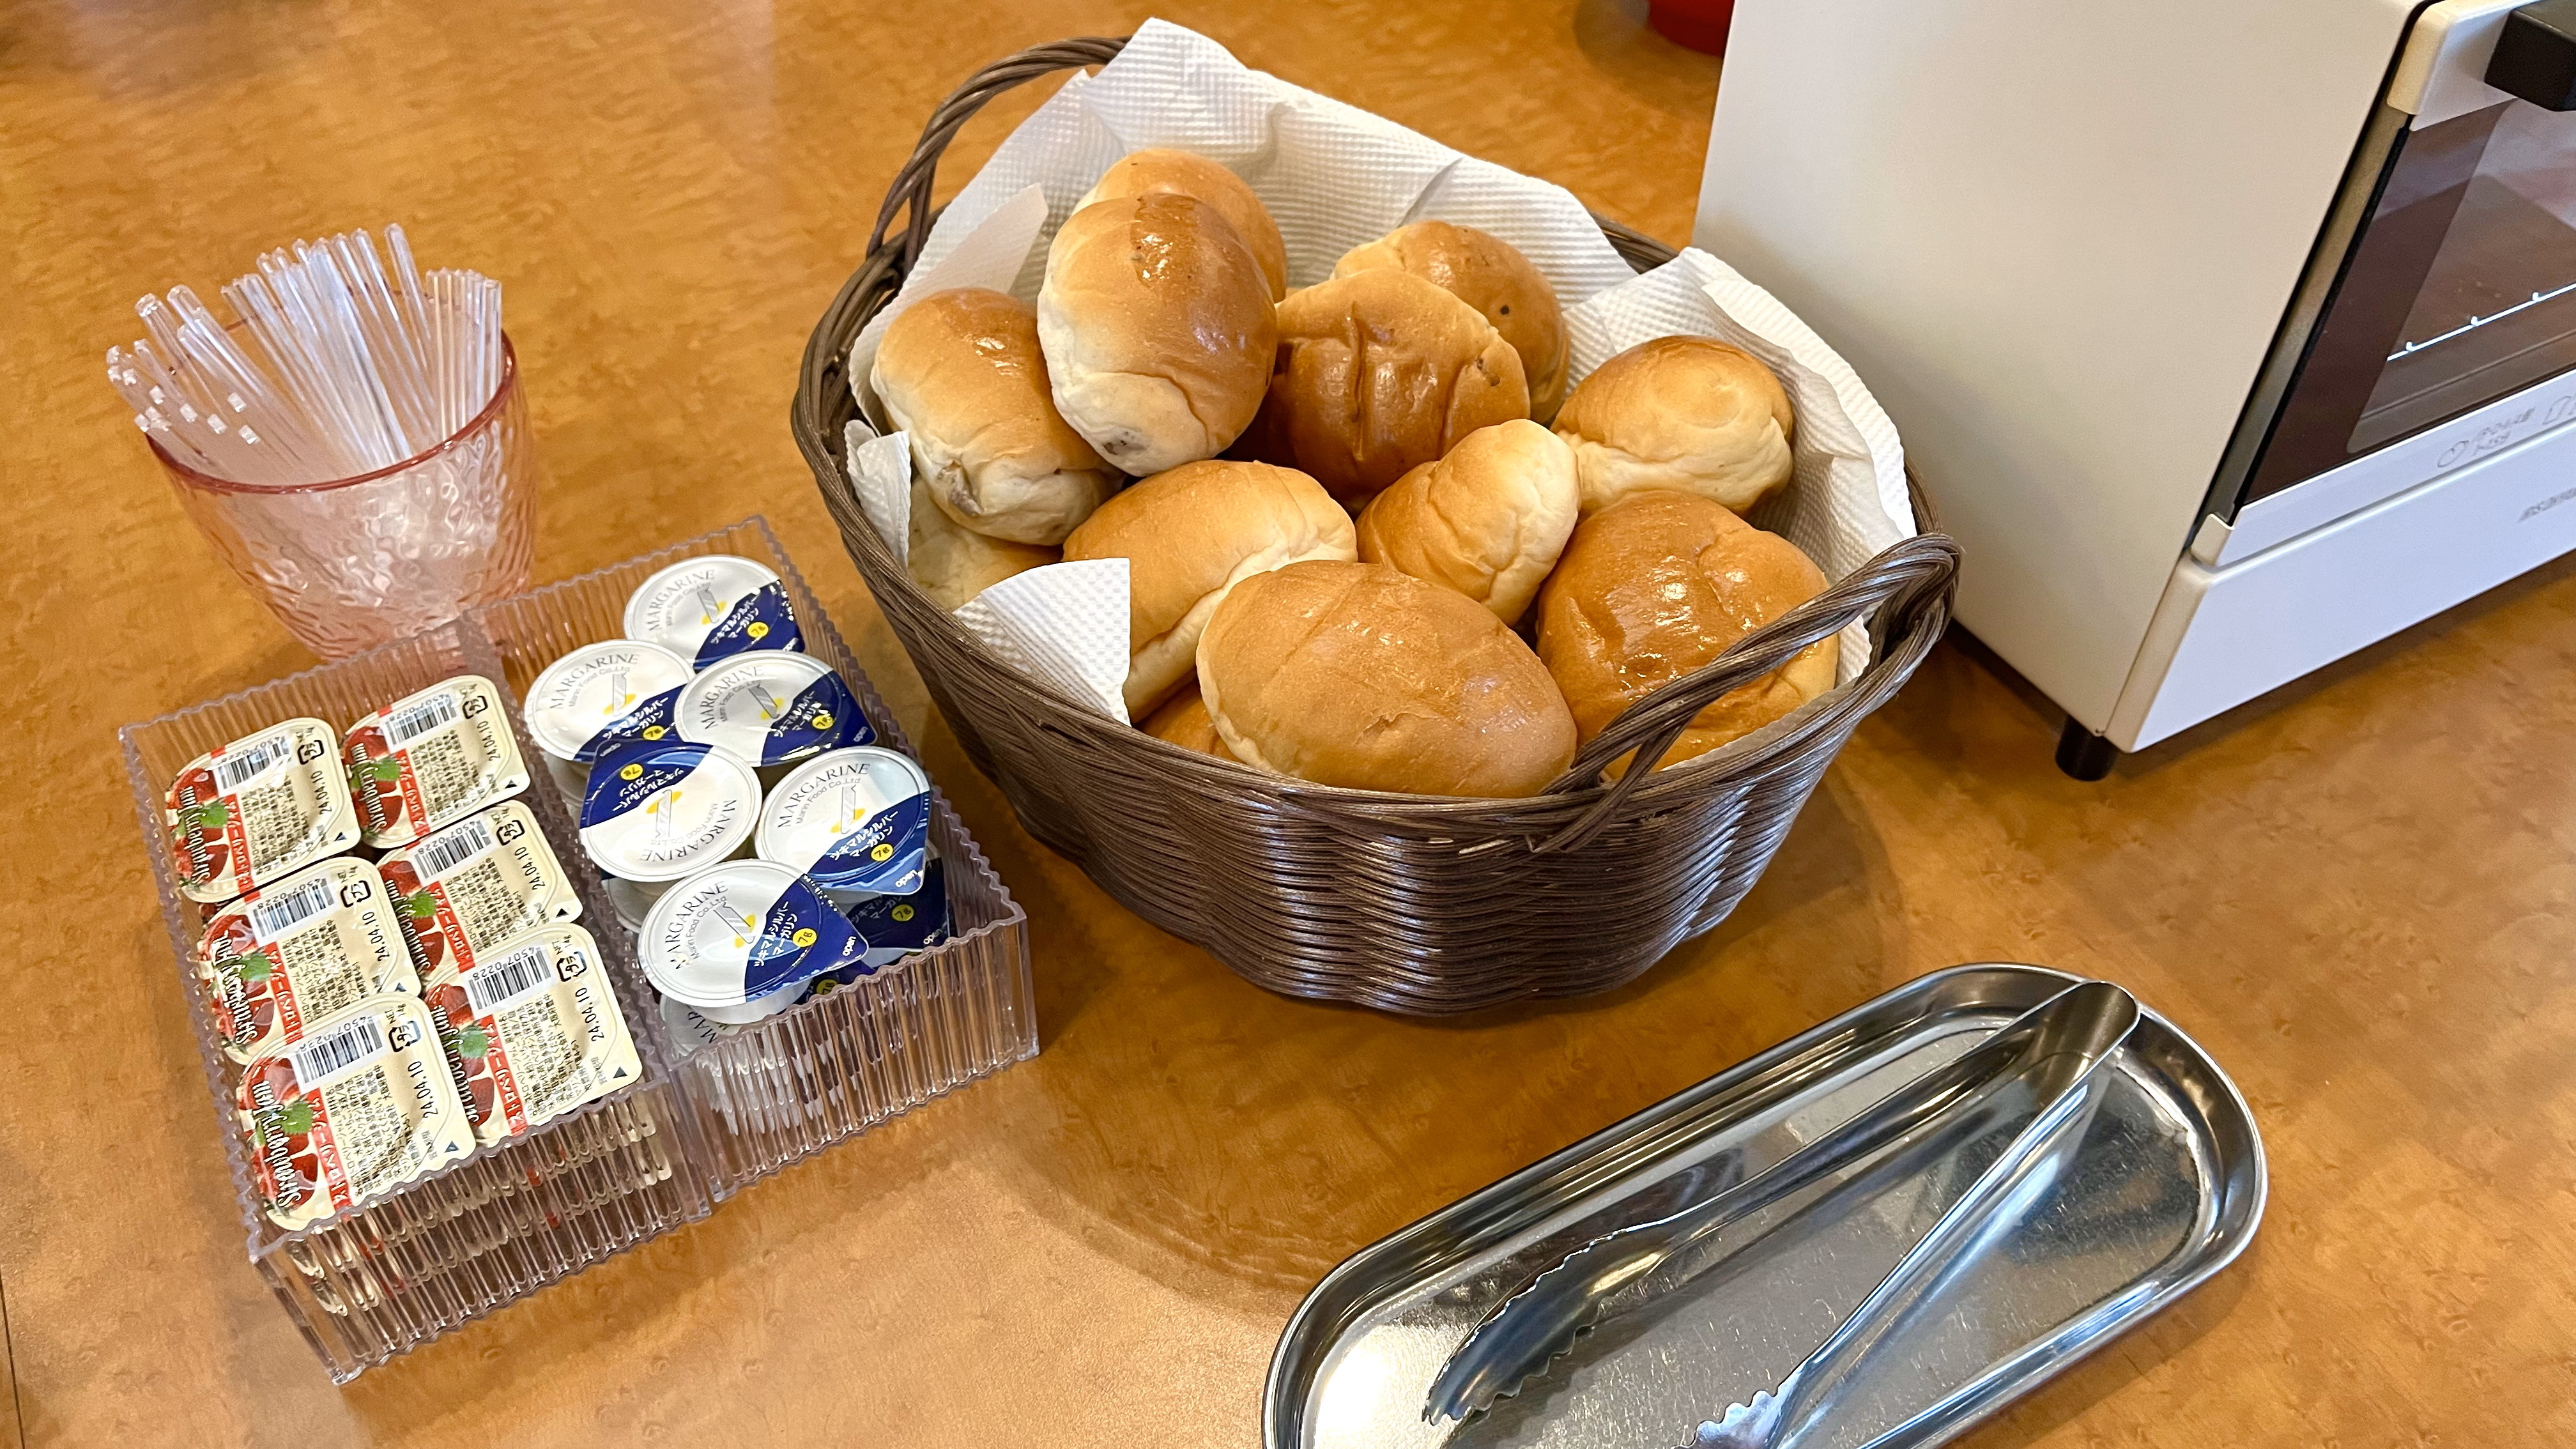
{"points": [[1660, 584], [960, 372], [1356, 674], [1679, 412], [1489, 274], [1380, 372], [1182, 173], [1158, 330], [1183, 720], [1188, 536], [1488, 520], [954, 564]]}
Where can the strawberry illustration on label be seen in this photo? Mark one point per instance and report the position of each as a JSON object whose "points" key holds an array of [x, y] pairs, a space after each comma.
{"points": [[469, 1047], [419, 908], [246, 989], [200, 843], [375, 778]]}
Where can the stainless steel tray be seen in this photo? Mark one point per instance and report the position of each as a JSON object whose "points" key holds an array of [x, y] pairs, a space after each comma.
{"points": [[2166, 1190]]}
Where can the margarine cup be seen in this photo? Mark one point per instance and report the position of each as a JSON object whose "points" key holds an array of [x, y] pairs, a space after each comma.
{"points": [[744, 940], [773, 709], [856, 820], [660, 811], [598, 697], [706, 609]]}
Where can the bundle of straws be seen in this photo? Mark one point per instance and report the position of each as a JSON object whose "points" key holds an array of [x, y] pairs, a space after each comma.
{"points": [[336, 367]]}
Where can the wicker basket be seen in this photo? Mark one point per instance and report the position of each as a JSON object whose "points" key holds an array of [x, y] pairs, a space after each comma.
{"points": [[1413, 904]]}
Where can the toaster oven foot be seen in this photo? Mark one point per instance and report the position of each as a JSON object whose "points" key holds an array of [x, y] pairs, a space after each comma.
{"points": [[2083, 754]]}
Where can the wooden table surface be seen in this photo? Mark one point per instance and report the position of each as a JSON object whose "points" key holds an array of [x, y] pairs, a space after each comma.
{"points": [[2358, 895]]}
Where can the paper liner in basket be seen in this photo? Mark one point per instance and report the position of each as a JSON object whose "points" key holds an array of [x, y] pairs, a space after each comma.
{"points": [[1335, 177]]}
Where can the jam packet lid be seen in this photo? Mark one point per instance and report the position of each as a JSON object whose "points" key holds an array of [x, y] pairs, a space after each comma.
{"points": [[459, 891], [430, 759], [706, 609], [894, 927], [743, 932], [261, 808], [657, 812], [533, 1030], [603, 695], [362, 1103], [856, 819], [315, 943], [771, 708]]}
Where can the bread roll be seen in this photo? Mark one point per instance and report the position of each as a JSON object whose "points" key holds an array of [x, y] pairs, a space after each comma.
{"points": [[1488, 520], [1192, 533], [1183, 720], [1679, 412], [954, 564], [1660, 584], [1158, 330], [1489, 274], [1182, 173], [1355, 674], [960, 372], [1378, 373]]}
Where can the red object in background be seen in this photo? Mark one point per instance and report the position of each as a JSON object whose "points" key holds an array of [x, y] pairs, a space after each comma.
{"points": [[1699, 24]]}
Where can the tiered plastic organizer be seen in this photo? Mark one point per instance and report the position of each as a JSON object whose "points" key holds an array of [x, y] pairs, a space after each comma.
{"points": [[661, 1151]]}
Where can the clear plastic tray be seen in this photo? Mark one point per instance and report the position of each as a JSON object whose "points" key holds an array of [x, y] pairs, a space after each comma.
{"points": [[402, 1269]]}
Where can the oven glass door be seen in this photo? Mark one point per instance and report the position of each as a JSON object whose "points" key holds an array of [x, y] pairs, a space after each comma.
{"points": [[2460, 289]]}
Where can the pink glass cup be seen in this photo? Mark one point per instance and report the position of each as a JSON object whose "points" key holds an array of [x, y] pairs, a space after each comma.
{"points": [[357, 562]]}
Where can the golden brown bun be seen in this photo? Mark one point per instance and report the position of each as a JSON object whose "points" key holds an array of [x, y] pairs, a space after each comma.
{"points": [[1183, 173], [1192, 533], [1158, 330], [1488, 520], [1183, 720], [954, 564], [1380, 372], [960, 372], [1659, 584], [1355, 674], [1679, 412], [1489, 274]]}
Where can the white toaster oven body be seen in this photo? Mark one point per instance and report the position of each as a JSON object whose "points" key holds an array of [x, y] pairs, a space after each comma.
{"points": [[2094, 259]]}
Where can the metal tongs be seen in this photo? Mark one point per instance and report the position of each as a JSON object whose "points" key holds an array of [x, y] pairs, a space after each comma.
{"points": [[2055, 1049]]}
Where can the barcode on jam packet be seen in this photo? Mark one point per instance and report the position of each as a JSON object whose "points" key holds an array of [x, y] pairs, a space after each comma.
{"points": [[243, 766], [274, 916], [498, 985], [344, 1048], [418, 718], [451, 848]]}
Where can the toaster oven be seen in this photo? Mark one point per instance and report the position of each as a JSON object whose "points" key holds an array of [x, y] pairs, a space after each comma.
{"points": [[2229, 338]]}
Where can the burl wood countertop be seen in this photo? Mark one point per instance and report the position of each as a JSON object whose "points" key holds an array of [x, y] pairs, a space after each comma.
{"points": [[2358, 895]]}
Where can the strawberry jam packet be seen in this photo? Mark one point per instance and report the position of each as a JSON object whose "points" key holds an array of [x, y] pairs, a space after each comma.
{"points": [[263, 807], [534, 1027], [430, 760], [363, 1103], [462, 890], [316, 943]]}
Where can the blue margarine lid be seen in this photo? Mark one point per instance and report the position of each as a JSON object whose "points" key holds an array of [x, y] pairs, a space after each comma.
{"points": [[894, 927], [660, 811], [771, 708], [855, 819], [743, 932], [600, 696], [711, 608]]}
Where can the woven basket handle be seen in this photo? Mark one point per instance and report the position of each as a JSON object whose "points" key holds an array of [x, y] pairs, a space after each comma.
{"points": [[910, 193], [1910, 578]]}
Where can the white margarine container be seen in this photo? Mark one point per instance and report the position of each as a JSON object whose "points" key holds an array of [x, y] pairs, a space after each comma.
{"points": [[660, 811], [744, 940], [598, 697], [771, 707], [705, 609], [856, 820]]}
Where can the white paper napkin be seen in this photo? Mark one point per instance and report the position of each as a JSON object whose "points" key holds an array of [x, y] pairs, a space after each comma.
{"points": [[1335, 177]]}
